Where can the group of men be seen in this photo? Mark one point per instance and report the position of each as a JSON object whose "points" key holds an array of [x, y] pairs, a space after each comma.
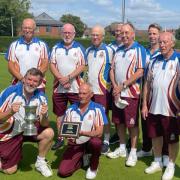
{"points": [[122, 76]]}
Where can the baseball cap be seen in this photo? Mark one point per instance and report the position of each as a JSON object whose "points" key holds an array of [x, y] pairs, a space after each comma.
{"points": [[120, 103]]}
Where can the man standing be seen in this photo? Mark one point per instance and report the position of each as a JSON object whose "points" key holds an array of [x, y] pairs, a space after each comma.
{"points": [[67, 62], [27, 52], [12, 114], [126, 71], [118, 40], [92, 117], [161, 103], [115, 45], [152, 51], [99, 57]]}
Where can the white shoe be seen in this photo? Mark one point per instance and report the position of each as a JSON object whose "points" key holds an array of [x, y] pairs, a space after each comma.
{"points": [[132, 160], [119, 152], [142, 153], [43, 168], [154, 167], [168, 173], [91, 174], [165, 159]]}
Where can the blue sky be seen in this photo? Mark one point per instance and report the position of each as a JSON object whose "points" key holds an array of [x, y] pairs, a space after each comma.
{"points": [[140, 12]]}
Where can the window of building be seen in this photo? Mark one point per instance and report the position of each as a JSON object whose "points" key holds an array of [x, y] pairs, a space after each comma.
{"points": [[48, 28]]}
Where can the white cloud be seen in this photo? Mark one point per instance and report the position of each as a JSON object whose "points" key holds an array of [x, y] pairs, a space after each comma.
{"points": [[144, 4], [104, 12], [102, 2]]}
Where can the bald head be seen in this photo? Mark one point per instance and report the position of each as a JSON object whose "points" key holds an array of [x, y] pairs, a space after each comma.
{"points": [[68, 34], [166, 44], [97, 35], [28, 28], [86, 86], [68, 27], [85, 93], [127, 34], [29, 22], [99, 29], [168, 35]]}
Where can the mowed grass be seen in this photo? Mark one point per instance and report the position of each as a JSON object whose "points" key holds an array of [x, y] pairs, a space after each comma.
{"points": [[109, 169]]}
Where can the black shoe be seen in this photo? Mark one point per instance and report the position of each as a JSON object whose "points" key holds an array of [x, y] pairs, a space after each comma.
{"points": [[114, 139], [57, 144], [128, 145], [105, 148]]}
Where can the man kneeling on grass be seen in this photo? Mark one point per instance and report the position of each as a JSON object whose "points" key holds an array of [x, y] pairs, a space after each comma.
{"points": [[92, 117], [12, 114]]}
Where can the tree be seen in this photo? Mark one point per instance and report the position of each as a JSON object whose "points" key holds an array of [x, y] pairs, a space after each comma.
{"points": [[13, 12], [76, 21], [178, 33]]}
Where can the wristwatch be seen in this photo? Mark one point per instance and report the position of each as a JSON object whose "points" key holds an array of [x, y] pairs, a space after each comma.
{"points": [[124, 86], [70, 78]]}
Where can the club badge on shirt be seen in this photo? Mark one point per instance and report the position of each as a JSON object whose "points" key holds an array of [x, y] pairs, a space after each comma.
{"points": [[101, 55]]}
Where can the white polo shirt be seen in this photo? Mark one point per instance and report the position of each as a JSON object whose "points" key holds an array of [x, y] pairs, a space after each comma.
{"points": [[66, 61], [163, 76], [94, 116], [150, 56], [99, 63], [126, 63], [27, 55], [114, 45], [14, 124]]}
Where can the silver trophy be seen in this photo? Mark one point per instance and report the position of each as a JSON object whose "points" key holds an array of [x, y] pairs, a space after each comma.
{"points": [[30, 117]]}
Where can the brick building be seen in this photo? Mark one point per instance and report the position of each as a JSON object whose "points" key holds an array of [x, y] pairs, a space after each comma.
{"points": [[47, 26]]}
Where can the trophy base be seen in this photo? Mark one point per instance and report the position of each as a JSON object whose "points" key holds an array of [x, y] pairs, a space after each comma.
{"points": [[30, 132]]}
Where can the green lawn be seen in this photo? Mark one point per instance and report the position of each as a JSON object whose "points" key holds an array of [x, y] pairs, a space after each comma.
{"points": [[108, 169]]}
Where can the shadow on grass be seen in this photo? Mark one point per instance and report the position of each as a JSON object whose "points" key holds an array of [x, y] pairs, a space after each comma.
{"points": [[29, 156], [177, 171], [58, 154]]}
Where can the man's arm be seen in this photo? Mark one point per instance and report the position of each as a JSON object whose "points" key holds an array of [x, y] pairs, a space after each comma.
{"points": [[138, 74], [43, 66], [12, 110], [14, 69], [97, 132], [144, 110], [62, 79], [44, 120], [76, 72], [112, 78]]}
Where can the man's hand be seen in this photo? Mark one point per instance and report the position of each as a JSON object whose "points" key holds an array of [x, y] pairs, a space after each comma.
{"points": [[144, 112], [44, 109], [15, 107], [117, 90], [64, 80], [67, 86]]}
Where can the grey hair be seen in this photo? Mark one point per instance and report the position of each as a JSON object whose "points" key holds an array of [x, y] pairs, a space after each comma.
{"points": [[131, 25], [101, 29], [29, 19], [173, 38]]}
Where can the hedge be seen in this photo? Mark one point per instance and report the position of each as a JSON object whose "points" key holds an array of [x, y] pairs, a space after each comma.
{"points": [[6, 40]]}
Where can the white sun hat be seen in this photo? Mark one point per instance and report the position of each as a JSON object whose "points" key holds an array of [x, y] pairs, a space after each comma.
{"points": [[121, 104]]}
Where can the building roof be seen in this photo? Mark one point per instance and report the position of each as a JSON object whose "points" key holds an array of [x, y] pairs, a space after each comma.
{"points": [[45, 20]]}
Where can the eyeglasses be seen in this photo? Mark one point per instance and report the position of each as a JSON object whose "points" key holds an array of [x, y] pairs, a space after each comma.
{"points": [[27, 28], [163, 42], [95, 35], [68, 33]]}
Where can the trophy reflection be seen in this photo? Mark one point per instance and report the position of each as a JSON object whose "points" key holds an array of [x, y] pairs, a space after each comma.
{"points": [[30, 117]]}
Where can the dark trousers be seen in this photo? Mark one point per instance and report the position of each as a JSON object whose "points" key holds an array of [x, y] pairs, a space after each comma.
{"points": [[72, 157], [147, 142]]}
